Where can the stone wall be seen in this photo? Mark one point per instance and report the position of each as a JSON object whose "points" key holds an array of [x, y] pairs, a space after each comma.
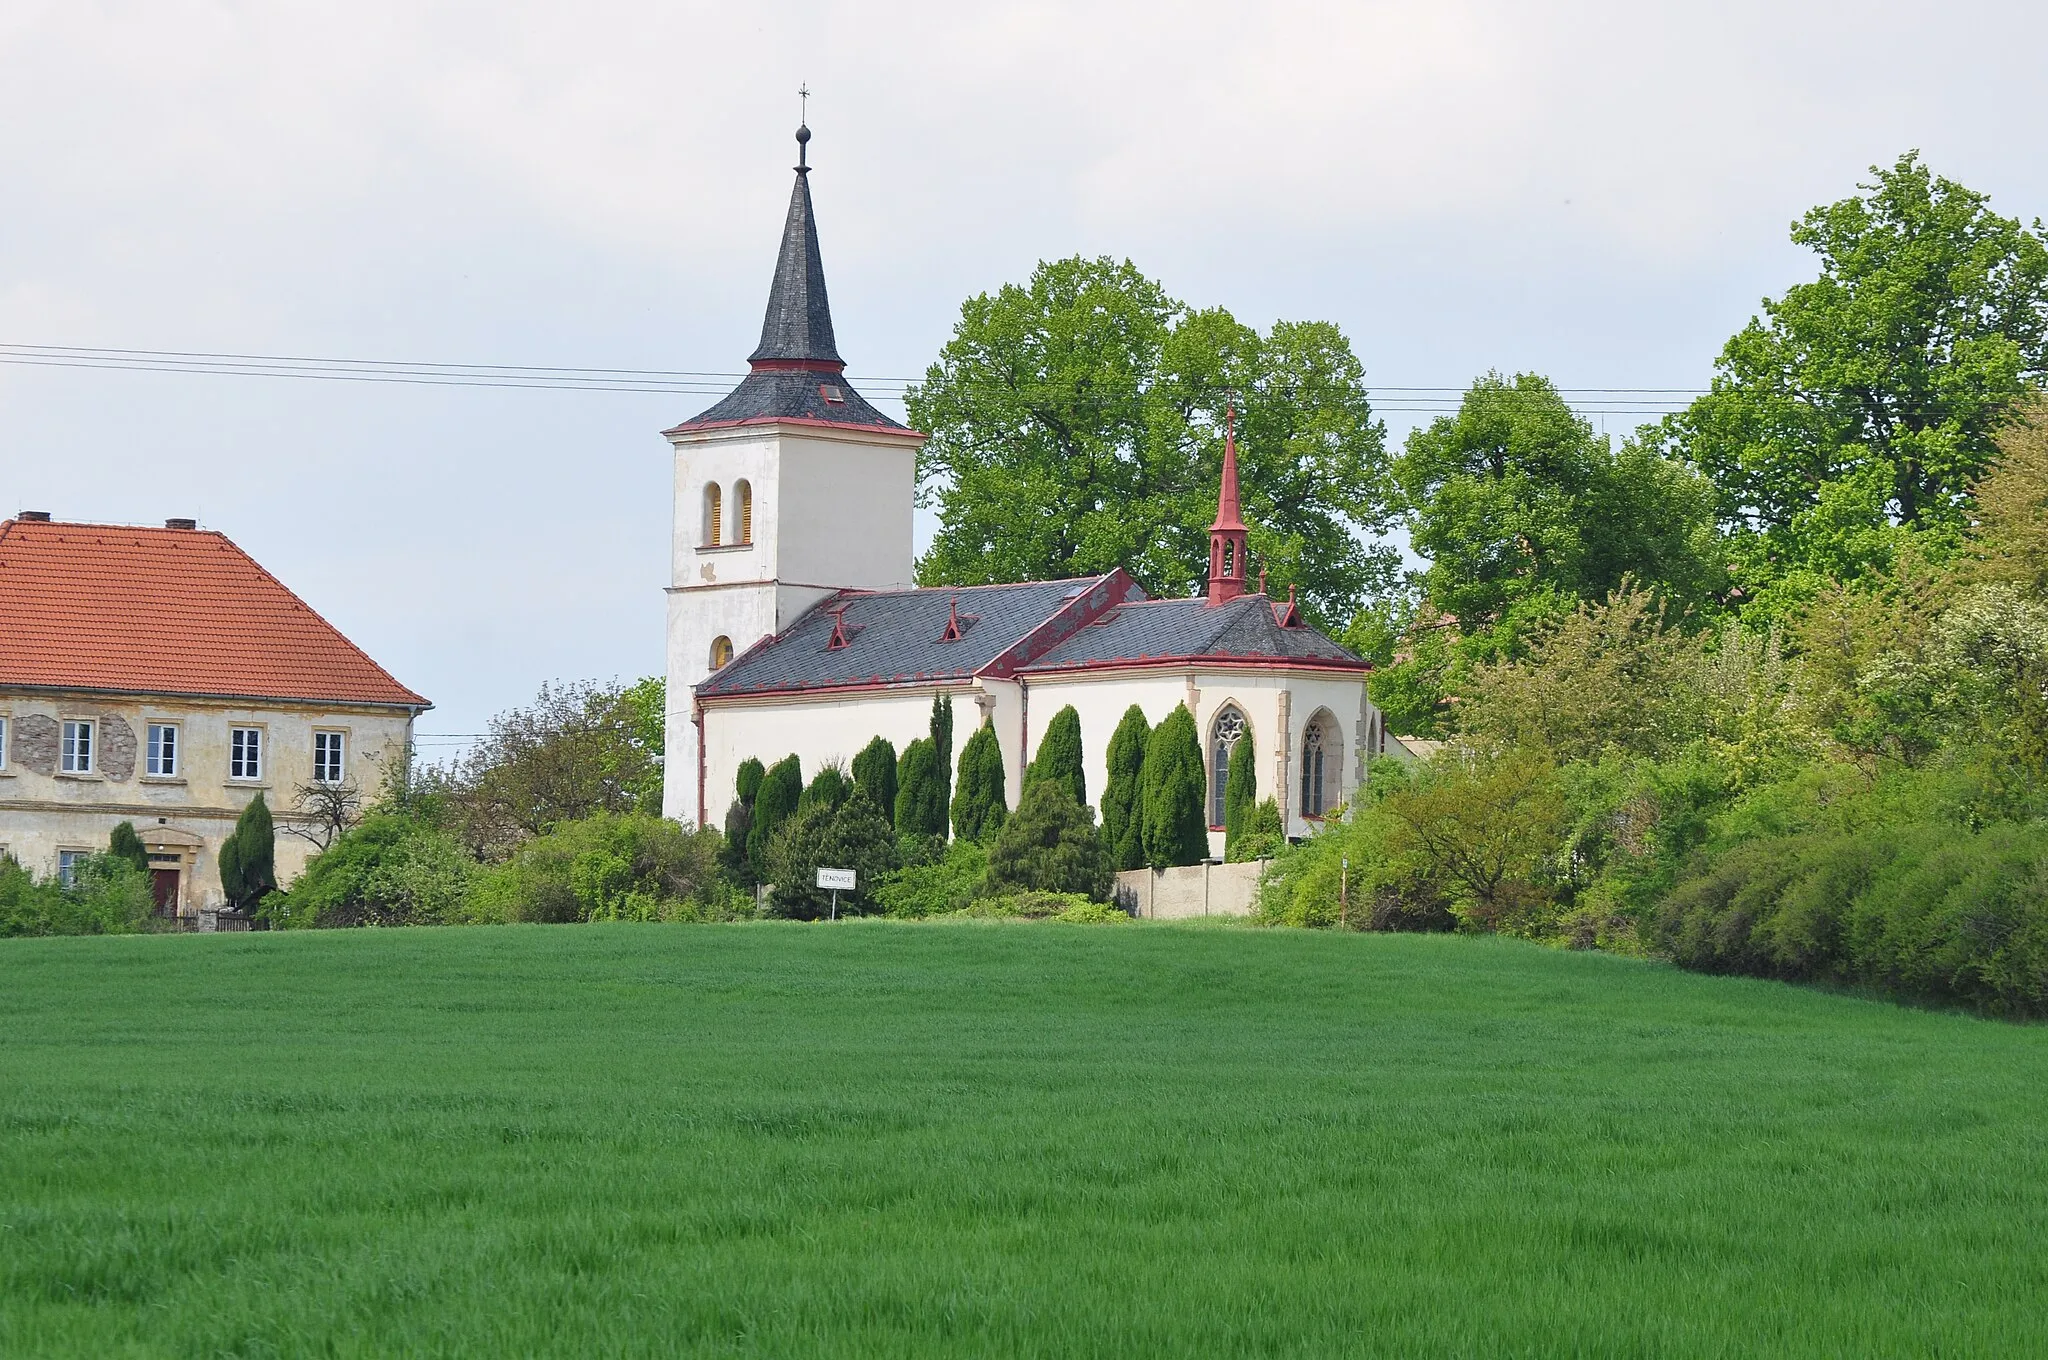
{"points": [[1194, 890]]}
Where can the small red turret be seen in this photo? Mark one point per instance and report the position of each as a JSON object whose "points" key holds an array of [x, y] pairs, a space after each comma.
{"points": [[1228, 564]]}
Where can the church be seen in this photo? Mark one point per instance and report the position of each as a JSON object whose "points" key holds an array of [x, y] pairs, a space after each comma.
{"points": [[795, 623]]}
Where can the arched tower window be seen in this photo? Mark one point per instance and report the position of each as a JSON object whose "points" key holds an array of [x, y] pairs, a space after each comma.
{"points": [[1229, 559], [1321, 768], [714, 505], [743, 497], [721, 651], [1230, 725]]}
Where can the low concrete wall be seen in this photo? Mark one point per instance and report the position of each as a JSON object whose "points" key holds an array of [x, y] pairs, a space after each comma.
{"points": [[1195, 890]]}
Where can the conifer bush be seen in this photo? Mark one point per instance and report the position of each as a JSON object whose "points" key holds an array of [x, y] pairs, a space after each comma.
{"points": [[747, 781], [1123, 816], [1174, 785], [248, 857], [920, 794], [1051, 845], [981, 804], [874, 772], [124, 844], [1059, 755], [828, 789], [854, 836], [942, 747], [1240, 793], [775, 803]]}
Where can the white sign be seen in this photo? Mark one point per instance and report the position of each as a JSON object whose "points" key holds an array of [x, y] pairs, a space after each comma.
{"points": [[835, 878]]}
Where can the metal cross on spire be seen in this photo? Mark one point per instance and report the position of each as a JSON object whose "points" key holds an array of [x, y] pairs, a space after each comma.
{"points": [[803, 128]]}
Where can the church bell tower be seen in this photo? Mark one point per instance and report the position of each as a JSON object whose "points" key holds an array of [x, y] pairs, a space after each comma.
{"points": [[791, 488]]}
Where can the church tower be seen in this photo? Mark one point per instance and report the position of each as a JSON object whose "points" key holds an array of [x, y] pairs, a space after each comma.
{"points": [[788, 490]]}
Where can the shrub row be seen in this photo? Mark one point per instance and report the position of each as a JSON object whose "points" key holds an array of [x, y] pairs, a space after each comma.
{"points": [[1927, 911]]}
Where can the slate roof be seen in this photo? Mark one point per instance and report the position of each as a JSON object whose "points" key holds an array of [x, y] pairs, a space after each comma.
{"points": [[142, 610], [797, 371], [799, 320], [894, 637], [1246, 628], [792, 394]]}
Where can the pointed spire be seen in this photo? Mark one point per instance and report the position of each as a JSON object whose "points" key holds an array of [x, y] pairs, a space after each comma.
{"points": [[1227, 543], [1228, 514], [797, 331]]}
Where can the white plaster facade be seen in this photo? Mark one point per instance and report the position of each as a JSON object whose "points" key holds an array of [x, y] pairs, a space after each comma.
{"points": [[824, 728], [184, 817], [830, 510]]}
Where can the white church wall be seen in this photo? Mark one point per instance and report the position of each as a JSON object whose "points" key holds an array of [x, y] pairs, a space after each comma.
{"points": [[844, 515], [727, 458], [1273, 702], [818, 730]]}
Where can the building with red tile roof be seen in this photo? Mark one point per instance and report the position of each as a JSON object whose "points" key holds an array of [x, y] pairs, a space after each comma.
{"points": [[160, 676]]}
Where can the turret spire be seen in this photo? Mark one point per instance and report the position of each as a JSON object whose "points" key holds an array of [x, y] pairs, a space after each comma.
{"points": [[797, 331], [1227, 544]]}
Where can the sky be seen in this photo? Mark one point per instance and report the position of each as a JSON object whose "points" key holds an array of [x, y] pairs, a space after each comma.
{"points": [[1599, 192]]}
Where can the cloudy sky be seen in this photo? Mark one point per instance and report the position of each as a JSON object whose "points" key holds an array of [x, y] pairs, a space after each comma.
{"points": [[1598, 191]]}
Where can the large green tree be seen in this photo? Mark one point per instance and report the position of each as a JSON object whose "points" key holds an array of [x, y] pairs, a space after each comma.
{"points": [[1873, 393], [1077, 425], [1524, 511]]}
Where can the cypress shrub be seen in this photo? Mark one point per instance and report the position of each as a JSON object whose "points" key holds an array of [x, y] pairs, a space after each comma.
{"points": [[854, 836], [124, 844], [747, 784], [1051, 845], [874, 773], [1240, 792], [1173, 783], [1261, 837], [1123, 817], [732, 855], [828, 789], [248, 858], [1059, 755], [781, 789], [942, 745], [920, 804], [980, 806]]}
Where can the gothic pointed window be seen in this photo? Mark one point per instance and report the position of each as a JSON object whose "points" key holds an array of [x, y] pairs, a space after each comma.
{"points": [[1230, 725], [1229, 559], [1319, 766], [743, 495], [714, 506]]}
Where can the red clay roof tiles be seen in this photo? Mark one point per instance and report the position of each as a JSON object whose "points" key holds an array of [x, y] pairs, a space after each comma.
{"points": [[167, 611]]}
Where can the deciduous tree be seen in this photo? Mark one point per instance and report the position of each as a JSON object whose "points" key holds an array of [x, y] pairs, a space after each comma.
{"points": [[1094, 400]]}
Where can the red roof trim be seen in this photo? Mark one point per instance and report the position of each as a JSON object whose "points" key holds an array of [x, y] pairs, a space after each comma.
{"points": [[692, 426], [798, 365], [1212, 660]]}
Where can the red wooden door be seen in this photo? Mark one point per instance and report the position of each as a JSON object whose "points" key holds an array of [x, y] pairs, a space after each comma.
{"points": [[164, 887]]}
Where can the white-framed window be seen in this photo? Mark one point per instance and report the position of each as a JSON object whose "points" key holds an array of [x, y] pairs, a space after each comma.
{"points": [[162, 759], [245, 753], [68, 862], [3, 741], [76, 748], [330, 750]]}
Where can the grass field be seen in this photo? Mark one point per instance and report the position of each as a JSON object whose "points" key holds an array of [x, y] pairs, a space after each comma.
{"points": [[876, 1139]]}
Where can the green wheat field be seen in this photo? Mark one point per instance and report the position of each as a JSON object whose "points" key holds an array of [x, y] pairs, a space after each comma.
{"points": [[877, 1139]]}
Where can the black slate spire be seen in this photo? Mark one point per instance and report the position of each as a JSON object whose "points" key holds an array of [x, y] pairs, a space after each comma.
{"points": [[798, 327], [797, 371]]}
